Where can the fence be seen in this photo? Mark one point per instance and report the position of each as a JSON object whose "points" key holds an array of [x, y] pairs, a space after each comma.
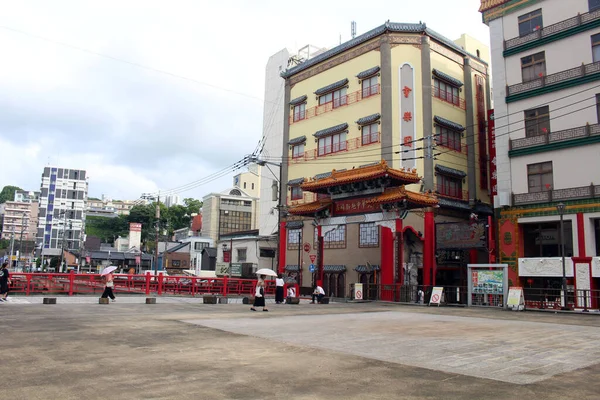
{"points": [[410, 293], [551, 298], [81, 284]]}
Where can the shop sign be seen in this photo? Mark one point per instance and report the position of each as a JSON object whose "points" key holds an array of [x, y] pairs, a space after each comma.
{"points": [[460, 235]]}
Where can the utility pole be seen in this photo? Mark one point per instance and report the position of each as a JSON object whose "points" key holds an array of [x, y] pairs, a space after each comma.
{"points": [[157, 230], [12, 245], [21, 239]]}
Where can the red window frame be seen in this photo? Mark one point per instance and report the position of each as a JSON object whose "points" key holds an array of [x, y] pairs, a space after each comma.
{"points": [[340, 100], [446, 92], [300, 112], [298, 151], [448, 138], [369, 134], [296, 193], [449, 186], [332, 147], [370, 87]]}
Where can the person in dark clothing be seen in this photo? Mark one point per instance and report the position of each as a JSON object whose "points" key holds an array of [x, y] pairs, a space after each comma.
{"points": [[279, 283], [4, 282]]}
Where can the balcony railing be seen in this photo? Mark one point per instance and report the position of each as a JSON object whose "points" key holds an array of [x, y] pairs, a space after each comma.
{"points": [[555, 137], [448, 97], [336, 103], [552, 79], [458, 194], [548, 196], [339, 148], [553, 29]]}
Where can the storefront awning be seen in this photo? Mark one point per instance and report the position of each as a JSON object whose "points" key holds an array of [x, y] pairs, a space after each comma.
{"points": [[364, 268], [334, 268]]}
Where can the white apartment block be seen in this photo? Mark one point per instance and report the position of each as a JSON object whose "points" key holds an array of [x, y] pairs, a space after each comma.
{"points": [[62, 209], [546, 79]]}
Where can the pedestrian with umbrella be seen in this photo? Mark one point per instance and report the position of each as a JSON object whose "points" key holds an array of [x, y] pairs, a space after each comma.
{"points": [[259, 295], [109, 282]]}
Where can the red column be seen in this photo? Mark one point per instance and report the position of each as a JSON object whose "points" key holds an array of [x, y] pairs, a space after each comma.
{"points": [[580, 235], [429, 250], [282, 246], [71, 282], [400, 235], [321, 243], [387, 261]]}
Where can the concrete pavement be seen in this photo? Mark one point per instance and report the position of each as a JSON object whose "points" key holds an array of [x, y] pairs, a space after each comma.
{"points": [[181, 349]]}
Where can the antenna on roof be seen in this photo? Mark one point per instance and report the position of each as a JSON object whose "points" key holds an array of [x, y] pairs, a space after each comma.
{"points": [[353, 29]]}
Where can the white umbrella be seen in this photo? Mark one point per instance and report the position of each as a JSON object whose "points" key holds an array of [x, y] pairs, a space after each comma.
{"points": [[108, 270], [266, 271]]}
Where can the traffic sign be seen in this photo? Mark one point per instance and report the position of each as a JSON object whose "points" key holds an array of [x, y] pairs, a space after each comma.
{"points": [[307, 247], [436, 295], [313, 257], [311, 268]]}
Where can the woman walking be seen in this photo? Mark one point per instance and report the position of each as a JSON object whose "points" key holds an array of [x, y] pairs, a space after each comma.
{"points": [[108, 287], [4, 281], [259, 295], [279, 283]]}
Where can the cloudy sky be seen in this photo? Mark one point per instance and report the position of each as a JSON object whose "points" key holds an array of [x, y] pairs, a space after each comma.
{"points": [[137, 129]]}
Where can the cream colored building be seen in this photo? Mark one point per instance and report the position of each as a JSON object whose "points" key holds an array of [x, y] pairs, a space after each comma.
{"points": [[546, 62], [400, 93], [230, 211]]}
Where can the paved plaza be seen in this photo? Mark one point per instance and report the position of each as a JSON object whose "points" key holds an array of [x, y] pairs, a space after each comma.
{"points": [[180, 348]]}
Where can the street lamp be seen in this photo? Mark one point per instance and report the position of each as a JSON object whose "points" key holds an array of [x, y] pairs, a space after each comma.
{"points": [[560, 207]]}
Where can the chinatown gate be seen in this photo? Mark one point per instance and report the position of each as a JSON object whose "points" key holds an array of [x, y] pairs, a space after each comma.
{"points": [[376, 194]]}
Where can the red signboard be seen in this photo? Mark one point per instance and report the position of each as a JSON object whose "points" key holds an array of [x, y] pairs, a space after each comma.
{"points": [[492, 151], [138, 260], [226, 256], [135, 227], [87, 259], [307, 247], [355, 206]]}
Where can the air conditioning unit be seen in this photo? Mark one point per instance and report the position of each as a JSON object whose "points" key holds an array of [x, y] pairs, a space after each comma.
{"points": [[502, 199]]}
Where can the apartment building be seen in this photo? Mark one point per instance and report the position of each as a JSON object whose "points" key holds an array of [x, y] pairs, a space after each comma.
{"points": [[232, 210], [546, 63], [398, 100], [63, 198]]}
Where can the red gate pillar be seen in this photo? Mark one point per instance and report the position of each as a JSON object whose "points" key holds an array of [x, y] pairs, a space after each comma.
{"points": [[400, 262], [429, 250], [282, 246], [387, 261]]}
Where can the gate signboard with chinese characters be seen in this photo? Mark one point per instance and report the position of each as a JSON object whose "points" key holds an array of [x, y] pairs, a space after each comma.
{"points": [[408, 117], [354, 206]]}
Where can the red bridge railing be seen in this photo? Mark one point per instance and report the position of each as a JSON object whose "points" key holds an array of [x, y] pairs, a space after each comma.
{"points": [[83, 284]]}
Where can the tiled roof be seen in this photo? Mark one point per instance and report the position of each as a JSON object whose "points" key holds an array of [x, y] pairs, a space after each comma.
{"points": [[334, 268], [178, 247], [298, 100], [488, 4], [211, 251], [414, 199], [295, 182], [378, 170], [451, 203], [445, 77], [448, 124], [331, 87], [310, 208], [323, 175], [450, 171], [298, 140], [367, 73], [483, 208], [292, 268], [387, 27], [331, 130], [294, 224], [369, 119], [364, 268]]}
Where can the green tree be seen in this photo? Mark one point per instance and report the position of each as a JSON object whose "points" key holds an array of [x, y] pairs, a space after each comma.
{"points": [[107, 228], [8, 193], [192, 205]]}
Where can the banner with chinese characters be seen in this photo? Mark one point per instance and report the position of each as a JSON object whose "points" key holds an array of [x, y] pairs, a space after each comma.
{"points": [[492, 151], [460, 235], [355, 206], [407, 117]]}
